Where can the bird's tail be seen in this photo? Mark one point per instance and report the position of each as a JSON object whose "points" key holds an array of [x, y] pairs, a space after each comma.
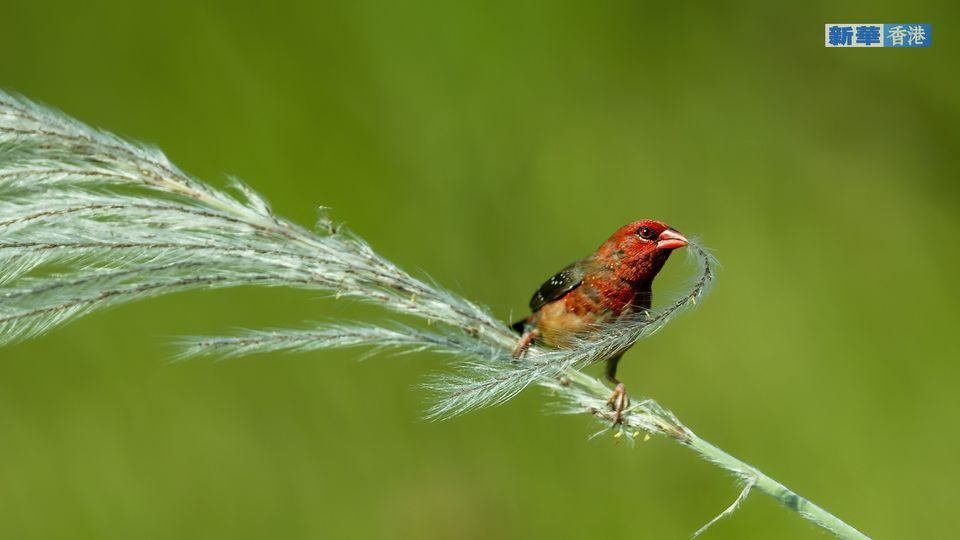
{"points": [[521, 326]]}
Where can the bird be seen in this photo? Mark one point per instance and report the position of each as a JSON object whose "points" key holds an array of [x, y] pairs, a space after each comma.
{"points": [[614, 281]]}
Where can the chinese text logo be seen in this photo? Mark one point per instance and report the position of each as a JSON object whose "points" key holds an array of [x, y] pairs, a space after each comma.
{"points": [[877, 35]]}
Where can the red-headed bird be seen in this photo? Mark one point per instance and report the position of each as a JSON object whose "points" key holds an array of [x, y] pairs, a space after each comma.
{"points": [[614, 281]]}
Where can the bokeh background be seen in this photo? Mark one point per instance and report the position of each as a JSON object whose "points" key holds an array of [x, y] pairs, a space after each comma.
{"points": [[488, 144]]}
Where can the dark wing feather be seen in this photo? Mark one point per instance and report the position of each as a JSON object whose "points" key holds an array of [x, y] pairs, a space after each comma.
{"points": [[560, 284]]}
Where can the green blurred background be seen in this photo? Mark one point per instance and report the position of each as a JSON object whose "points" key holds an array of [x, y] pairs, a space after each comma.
{"points": [[489, 144]]}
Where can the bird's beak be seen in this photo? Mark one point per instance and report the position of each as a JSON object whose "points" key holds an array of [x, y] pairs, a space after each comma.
{"points": [[671, 239]]}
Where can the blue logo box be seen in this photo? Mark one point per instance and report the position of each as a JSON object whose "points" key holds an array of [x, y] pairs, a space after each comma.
{"points": [[842, 35]]}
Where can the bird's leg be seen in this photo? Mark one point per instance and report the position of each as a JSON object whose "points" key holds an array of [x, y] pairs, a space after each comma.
{"points": [[524, 343], [618, 400]]}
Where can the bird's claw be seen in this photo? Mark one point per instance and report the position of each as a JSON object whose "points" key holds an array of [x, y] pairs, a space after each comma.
{"points": [[618, 402], [524, 343]]}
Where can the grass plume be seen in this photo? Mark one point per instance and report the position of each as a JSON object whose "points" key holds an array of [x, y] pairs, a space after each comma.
{"points": [[89, 220]]}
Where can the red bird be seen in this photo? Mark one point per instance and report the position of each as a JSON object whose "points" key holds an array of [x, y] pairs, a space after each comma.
{"points": [[614, 281]]}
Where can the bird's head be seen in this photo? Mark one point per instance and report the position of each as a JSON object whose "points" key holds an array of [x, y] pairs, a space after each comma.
{"points": [[638, 251]]}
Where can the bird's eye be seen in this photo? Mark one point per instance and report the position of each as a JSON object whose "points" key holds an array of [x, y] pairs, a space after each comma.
{"points": [[645, 232]]}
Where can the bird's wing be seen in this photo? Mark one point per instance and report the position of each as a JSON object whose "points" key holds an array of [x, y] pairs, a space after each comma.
{"points": [[560, 284]]}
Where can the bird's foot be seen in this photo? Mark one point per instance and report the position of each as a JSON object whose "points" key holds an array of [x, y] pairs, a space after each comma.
{"points": [[618, 402], [524, 343]]}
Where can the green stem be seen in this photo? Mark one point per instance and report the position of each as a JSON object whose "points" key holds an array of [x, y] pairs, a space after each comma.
{"points": [[650, 416], [805, 508]]}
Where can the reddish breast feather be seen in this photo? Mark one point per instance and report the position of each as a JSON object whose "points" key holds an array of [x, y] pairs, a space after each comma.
{"points": [[602, 294], [598, 299]]}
